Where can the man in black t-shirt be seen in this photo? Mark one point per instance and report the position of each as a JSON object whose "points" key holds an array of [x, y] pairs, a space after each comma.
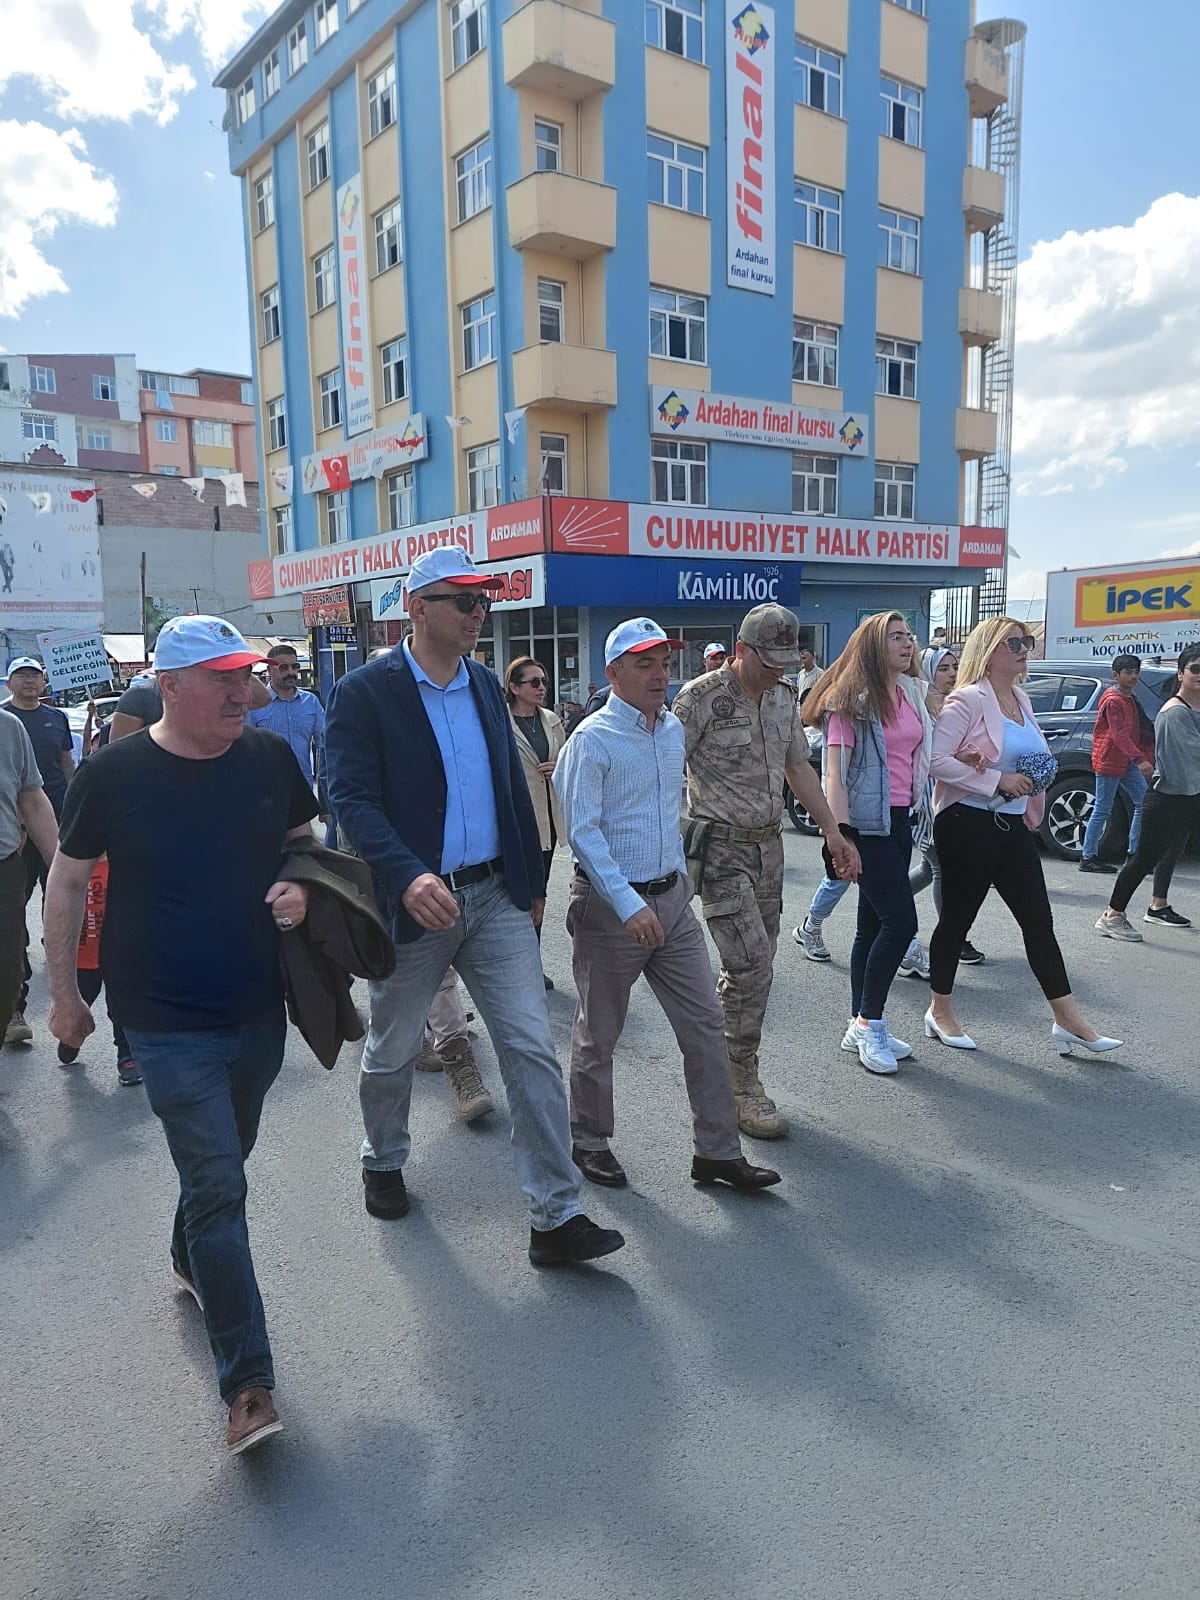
{"points": [[193, 814]]}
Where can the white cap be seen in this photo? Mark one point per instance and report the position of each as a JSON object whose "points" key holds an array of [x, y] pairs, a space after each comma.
{"points": [[18, 662], [639, 633], [714, 649]]}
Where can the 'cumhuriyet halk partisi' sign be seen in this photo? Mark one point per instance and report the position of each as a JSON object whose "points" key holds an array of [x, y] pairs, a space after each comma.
{"points": [[74, 660], [699, 414], [751, 48], [358, 406]]}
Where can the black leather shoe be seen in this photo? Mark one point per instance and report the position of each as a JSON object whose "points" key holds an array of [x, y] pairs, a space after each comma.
{"points": [[386, 1195], [600, 1166], [548, 982], [738, 1174], [67, 1053], [578, 1239]]}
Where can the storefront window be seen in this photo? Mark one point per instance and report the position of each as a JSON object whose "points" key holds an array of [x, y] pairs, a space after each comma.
{"points": [[550, 635], [485, 650]]}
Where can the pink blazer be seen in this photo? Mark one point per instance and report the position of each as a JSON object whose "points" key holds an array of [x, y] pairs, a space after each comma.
{"points": [[972, 719]]}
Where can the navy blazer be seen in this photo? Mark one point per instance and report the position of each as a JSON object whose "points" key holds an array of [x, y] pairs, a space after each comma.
{"points": [[387, 784]]}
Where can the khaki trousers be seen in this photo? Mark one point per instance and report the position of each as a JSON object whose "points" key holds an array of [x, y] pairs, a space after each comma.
{"points": [[607, 963]]}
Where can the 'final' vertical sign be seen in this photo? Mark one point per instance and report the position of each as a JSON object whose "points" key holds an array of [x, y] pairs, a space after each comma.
{"points": [[750, 52]]}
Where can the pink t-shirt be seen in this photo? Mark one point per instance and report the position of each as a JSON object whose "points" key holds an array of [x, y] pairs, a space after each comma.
{"points": [[901, 737]]}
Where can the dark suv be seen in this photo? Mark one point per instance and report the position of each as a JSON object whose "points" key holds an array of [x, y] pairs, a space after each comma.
{"points": [[1065, 694]]}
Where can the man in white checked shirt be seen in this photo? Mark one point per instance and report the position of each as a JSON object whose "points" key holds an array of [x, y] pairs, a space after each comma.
{"points": [[620, 782]]}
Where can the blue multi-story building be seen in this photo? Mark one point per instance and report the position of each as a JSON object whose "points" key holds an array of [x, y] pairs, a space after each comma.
{"points": [[666, 304]]}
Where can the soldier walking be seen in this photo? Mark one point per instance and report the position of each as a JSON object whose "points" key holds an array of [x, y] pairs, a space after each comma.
{"points": [[743, 739]]}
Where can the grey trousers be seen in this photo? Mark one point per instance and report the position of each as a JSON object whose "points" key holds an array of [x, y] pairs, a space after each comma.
{"points": [[607, 963]]}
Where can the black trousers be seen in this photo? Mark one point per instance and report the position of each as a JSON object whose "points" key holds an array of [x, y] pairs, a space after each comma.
{"points": [[12, 935], [980, 850], [1167, 819], [36, 871], [91, 981]]}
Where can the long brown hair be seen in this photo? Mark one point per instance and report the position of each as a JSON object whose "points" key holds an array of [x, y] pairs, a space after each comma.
{"points": [[860, 675], [515, 669]]}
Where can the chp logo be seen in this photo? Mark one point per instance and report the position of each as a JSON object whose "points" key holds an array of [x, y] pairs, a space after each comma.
{"points": [[673, 411], [750, 31], [850, 434]]}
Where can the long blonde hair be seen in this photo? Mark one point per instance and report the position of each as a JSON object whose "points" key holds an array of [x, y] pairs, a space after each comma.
{"points": [[860, 674], [977, 652]]}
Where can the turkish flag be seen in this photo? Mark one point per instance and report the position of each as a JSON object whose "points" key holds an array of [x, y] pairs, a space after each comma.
{"points": [[337, 471]]}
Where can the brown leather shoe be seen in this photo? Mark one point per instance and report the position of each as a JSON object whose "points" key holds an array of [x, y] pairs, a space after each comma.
{"points": [[600, 1166], [738, 1174], [252, 1418]]}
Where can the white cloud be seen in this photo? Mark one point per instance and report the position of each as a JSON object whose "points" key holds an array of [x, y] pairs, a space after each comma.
{"points": [[221, 26], [45, 179], [1026, 583], [1108, 347]]}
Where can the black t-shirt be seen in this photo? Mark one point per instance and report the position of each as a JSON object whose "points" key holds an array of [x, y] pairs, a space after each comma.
{"points": [[193, 846], [50, 734], [141, 700]]}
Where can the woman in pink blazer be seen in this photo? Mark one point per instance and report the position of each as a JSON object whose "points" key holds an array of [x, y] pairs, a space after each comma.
{"points": [[984, 825]]}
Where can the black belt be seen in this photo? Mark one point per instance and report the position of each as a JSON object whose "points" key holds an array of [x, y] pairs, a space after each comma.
{"points": [[464, 877], [653, 887]]}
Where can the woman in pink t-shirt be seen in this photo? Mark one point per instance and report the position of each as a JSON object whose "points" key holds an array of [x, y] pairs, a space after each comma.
{"points": [[878, 736]]}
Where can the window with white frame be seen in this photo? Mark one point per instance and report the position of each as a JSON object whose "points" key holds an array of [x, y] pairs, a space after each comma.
{"points": [[272, 75], [297, 48], [677, 26], [896, 368], [217, 434], [276, 424], [337, 516], [547, 146], [818, 216], [468, 29], [818, 78], [243, 102], [483, 476], [36, 425], [901, 110], [478, 331], [915, 6], [329, 389], [554, 463], [815, 352], [167, 472], [678, 472], [269, 300], [899, 241], [248, 393], [473, 179], [166, 430], [168, 382], [324, 279], [381, 99], [284, 538], [104, 387], [389, 241], [814, 483], [264, 202], [394, 357], [97, 438], [678, 325], [401, 503], [325, 21], [42, 380], [318, 155], [895, 492], [675, 173], [551, 303]]}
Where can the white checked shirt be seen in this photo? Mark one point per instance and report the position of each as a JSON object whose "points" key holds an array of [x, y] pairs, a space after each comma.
{"points": [[620, 787]]}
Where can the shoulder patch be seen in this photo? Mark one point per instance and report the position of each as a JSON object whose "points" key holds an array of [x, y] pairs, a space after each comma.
{"points": [[723, 706]]}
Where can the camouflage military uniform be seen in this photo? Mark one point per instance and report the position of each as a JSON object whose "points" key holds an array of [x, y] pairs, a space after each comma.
{"points": [[737, 751]]}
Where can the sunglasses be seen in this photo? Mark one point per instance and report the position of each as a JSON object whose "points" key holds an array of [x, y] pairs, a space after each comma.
{"points": [[466, 603], [1019, 645], [532, 683], [1193, 667]]}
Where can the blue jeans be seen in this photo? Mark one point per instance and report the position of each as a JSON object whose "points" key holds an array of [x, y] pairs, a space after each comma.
{"points": [[827, 898], [495, 950], [207, 1088], [1134, 785]]}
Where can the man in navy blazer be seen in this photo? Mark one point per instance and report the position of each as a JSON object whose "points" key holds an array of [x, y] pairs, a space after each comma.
{"points": [[426, 784]]}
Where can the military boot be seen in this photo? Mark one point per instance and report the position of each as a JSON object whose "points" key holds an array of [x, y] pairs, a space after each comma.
{"points": [[458, 1063], [758, 1115]]}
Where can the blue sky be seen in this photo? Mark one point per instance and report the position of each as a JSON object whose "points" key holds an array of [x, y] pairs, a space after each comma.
{"points": [[1108, 399]]}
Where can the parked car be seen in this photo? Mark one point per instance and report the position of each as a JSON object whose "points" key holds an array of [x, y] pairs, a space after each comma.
{"points": [[1065, 694]]}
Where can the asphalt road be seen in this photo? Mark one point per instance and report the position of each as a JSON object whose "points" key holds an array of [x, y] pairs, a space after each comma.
{"points": [[954, 1354]]}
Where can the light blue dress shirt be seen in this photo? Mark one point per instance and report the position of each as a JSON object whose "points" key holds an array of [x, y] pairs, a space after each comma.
{"points": [[472, 832], [300, 720], [621, 787]]}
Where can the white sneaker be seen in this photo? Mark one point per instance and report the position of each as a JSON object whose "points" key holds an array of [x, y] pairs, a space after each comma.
{"points": [[815, 947], [915, 963], [1116, 925], [873, 1044], [899, 1049]]}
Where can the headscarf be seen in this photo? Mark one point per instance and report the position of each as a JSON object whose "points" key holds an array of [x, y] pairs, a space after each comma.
{"points": [[932, 658]]}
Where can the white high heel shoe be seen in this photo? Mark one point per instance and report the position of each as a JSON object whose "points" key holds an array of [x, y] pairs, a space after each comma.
{"points": [[1064, 1039], [956, 1041]]}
